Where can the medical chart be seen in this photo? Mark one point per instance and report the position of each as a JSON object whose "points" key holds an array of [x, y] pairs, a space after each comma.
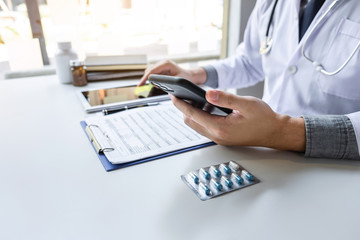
{"points": [[144, 132]]}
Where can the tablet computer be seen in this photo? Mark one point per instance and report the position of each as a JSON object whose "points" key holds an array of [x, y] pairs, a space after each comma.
{"points": [[121, 97]]}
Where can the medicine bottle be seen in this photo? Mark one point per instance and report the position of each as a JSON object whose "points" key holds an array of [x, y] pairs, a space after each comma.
{"points": [[78, 70], [63, 56]]}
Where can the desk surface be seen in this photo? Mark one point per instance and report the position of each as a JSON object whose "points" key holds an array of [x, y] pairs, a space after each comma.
{"points": [[53, 186]]}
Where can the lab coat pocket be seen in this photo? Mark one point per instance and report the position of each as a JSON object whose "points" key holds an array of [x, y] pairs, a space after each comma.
{"points": [[346, 83]]}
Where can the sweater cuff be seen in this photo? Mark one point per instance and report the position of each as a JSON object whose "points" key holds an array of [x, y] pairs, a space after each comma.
{"points": [[211, 77], [330, 137]]}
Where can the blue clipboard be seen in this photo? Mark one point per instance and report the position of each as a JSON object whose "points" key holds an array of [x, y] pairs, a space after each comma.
{"points": [[110, 166]]}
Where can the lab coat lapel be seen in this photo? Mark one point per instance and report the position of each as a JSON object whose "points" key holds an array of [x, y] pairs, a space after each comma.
{"points": [[297, 51]]}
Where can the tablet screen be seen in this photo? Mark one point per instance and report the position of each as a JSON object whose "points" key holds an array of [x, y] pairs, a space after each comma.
{"points": [[120, 94]]}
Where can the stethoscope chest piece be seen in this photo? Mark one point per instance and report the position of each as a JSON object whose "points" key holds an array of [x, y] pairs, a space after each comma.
{"points": [[266, 45]]}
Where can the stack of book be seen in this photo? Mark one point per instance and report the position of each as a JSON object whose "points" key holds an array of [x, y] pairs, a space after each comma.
{"points": [[115, 67]]}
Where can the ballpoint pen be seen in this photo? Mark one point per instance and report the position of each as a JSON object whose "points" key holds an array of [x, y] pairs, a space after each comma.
{"points": [[111, 111]]}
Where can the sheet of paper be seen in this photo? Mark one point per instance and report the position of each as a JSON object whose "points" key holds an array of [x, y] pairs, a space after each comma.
{"points": [[145, 132]]}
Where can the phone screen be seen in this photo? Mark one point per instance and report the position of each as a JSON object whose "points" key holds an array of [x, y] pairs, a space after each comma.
{"points": [[120, 94]]}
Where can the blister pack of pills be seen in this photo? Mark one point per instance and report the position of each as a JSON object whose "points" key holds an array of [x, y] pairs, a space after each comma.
{"points": [[210, 182]]}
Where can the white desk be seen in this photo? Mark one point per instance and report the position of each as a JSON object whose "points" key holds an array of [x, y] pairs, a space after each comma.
{"points": [[53, 186]]}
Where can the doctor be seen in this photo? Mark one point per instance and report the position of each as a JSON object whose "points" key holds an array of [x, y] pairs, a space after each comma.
{"points": [[307, 53]]}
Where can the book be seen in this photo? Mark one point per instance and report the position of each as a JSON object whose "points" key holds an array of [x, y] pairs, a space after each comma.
{"points": [[114, 63], [124, 67], [111, 75], [116, 60]]}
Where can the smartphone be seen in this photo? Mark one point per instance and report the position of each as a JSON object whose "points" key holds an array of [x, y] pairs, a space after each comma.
{"points": [[188, 91]]}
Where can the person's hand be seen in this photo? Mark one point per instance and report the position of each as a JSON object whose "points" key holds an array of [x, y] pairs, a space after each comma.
{"points": [[252, 123], [197, 76]]}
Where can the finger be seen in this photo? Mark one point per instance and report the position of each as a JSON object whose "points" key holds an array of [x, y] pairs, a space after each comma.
{"points": [[163, 67], [228, 100], [145, 76], [205, 119], [149, 70]]}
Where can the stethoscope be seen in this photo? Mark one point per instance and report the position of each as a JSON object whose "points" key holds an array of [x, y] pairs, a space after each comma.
{"points": [[268, 42]]}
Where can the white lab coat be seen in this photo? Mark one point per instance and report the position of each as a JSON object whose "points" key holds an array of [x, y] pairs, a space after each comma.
{"points": [[292, 85]]}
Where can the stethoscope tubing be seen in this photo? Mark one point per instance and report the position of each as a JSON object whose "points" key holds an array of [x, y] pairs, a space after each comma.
{"points": [[316, 64], [271, 19]]}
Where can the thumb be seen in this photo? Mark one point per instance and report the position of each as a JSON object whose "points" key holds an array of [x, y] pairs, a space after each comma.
{"points": [[228, 100]]}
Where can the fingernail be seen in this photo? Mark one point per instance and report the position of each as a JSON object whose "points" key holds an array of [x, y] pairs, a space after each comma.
{"points": [[213, 95]]}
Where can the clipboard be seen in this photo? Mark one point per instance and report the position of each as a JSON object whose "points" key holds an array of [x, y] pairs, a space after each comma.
{"points": [[108, 166]]}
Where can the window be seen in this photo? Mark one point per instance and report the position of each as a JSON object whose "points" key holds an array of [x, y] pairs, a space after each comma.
{"points": [[158, 28]]}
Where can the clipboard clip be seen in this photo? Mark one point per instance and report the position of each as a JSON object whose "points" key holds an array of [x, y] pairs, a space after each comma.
{"points": [[102, 143]]}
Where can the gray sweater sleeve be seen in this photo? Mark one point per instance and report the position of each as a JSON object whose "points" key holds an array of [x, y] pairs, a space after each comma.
{"points": [[330, 136], [211, 77]]}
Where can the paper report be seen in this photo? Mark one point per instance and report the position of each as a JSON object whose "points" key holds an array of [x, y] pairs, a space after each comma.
{"points": [[144, 132]]}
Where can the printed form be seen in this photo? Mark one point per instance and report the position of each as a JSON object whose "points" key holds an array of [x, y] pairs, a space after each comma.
{"points": [[144, 132]]}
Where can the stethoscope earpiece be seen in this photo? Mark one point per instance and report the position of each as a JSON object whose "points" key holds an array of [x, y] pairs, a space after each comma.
{"points": [[317, 66]]}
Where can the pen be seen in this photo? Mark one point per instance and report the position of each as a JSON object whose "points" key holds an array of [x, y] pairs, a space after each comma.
{"points": [[108, 111]]}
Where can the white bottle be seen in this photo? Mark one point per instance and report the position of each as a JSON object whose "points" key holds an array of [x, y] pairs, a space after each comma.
{"points": [[63, 56]]}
